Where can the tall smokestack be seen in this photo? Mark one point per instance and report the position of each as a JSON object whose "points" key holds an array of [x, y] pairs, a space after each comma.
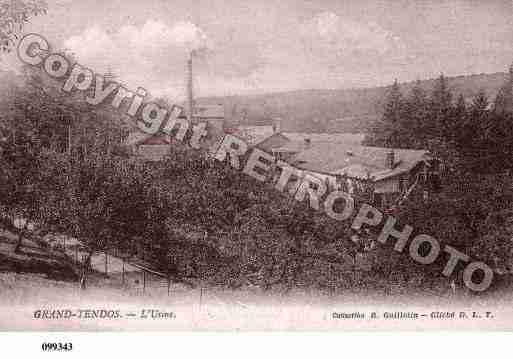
{"points": [[511, 77], [277, 125], [390, 160], [190, 103]]}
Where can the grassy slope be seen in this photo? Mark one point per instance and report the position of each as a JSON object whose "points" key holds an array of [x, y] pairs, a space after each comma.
{"points": [[41, 287], [33, 259]]}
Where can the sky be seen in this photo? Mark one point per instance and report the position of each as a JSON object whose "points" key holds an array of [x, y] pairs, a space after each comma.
{"points": [[249, 47]]}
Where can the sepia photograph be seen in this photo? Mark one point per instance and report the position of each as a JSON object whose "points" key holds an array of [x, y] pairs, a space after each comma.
{"points": [[242, 166]]}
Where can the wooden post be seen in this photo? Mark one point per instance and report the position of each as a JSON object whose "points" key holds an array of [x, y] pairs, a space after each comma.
{"points": [[144, 281], [106, 260], [123, 272], [168, 285], [84, 145], [76, 253], [201, 295], [69, 138]]}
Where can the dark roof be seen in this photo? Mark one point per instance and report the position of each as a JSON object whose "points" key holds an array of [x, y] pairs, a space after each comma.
{"points": [[153, 152], [253, 135], [136, 137], [206, 112], [357, 161], [276, 140]]}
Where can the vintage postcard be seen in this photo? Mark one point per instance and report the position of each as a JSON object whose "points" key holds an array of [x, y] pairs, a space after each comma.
{"points": [[255, 165]]}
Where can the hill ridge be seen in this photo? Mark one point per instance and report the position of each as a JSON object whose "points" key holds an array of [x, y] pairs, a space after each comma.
{"points": [[338, 110]]}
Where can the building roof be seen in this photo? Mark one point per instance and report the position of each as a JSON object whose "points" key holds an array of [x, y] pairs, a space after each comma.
{"points": [[253, 135], [202, 112], [135, 137], [206, 111], [153, 152], [297, 140], [354, 138], [357, 161], [276, 140], [159, 139], [291, 147]]}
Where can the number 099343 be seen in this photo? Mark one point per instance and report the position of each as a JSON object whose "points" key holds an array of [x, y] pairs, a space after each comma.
{"points": [[50, 347]]}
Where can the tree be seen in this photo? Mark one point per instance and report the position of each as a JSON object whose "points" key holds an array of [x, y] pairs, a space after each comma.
{"points": [[480, 103], [25, 182], [387, 131], [13, 15], [471, 140], [441, 102], [417, 113], [89, 205], [461, 107]]}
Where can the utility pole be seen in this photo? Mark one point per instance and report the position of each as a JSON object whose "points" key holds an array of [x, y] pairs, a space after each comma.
{"points": [[69, 137], [190, 99]]}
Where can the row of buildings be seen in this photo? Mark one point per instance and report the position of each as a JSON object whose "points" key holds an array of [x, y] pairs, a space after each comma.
{"points": [[339, 159]]}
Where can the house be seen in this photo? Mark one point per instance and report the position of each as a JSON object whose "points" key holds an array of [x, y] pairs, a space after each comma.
{"points": [[290, 149], [392, 174], [265, 137], [262, 137], [213, 115], [147, 147], [155, 147]]}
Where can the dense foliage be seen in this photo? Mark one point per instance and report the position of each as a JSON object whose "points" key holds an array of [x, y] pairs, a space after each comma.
{"points": [[475, 144], [199, 220], [468, 137], [13, 15]]}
